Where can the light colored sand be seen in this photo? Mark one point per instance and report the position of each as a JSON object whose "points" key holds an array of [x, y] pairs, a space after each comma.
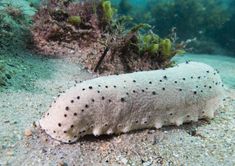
{"points": [[201, 143]]}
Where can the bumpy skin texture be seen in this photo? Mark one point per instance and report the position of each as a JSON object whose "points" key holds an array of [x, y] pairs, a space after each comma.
{"points": [[121, 103]]}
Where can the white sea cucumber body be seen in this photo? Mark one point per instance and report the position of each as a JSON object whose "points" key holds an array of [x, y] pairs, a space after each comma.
{"points": [[121, 103]]}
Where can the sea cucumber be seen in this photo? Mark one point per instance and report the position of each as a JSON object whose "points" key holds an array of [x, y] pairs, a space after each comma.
{"points": [[121, 103]]}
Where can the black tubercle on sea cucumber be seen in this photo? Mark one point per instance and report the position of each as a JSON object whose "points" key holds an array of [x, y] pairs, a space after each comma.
{"points": [[122, 99]]}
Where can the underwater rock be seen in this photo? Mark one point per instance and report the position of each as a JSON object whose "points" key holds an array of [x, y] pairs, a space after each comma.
{"points": [[121, 103]]}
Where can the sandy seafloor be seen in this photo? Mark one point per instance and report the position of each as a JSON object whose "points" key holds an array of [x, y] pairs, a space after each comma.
{"points": [[203, 143]]}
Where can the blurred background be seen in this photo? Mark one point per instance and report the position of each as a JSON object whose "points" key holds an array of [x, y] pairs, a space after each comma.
{"points": [[210, 24]]}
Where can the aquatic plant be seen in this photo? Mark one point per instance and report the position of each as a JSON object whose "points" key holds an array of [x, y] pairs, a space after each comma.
{"points": [[74, 20], [147, 48], [83, 24], [165, 47], [107, 10], [159, 49], [149, 43]]}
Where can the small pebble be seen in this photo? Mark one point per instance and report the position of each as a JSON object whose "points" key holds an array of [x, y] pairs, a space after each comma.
{"points": [[62, 163], [10, 153], [28, 132]]}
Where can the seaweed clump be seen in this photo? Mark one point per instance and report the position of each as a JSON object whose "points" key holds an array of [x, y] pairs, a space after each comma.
{"points": [[137, 51], [100, 38]]}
